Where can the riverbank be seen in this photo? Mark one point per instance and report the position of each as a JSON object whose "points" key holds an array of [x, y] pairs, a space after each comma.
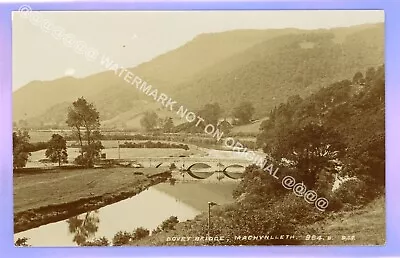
{"points": [[364, 226], [47, 197]]}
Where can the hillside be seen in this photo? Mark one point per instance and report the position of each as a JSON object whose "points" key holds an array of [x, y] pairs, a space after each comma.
{"points": [[264, 66], [165, 71], [291, 64], [350, 117]]}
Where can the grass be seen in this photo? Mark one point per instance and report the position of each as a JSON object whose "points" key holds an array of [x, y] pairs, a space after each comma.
{"points": [[42, 198], [63, 186], [249, 128], [367, 225], [43, 136]]}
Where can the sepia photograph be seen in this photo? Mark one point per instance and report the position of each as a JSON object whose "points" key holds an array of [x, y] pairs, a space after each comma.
{"points": [[198, 128]]}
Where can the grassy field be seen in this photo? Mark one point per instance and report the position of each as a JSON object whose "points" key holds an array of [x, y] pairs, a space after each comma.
{"points": [[44, 136], [249, 128], [63, 186], [41, 198]]}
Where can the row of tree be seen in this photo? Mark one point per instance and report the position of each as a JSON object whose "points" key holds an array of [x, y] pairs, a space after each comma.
{"points": [[151, 121], [84, 119], [211, 113], [150, 144], [56, 148]]}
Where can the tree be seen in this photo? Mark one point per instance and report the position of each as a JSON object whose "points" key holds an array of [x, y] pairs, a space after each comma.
{"points": [[84, 118], [225, 126], [57, 149], [244, 112], [357, 78], [168, 124], [170, 223], [83, 227], [210, 113], [20, 147], [311, 150], [149, 120], [370, 75]]}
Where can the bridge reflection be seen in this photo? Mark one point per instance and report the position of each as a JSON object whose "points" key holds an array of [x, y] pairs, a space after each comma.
{"points": [[204, 171], [194, 167]]}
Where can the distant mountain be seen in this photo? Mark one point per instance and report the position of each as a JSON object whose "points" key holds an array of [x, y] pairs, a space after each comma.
{"points": [[269, 72], [263, 66], [165, 71]]}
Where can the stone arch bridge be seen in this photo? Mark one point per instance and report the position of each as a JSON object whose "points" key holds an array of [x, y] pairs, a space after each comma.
{"points": [[197, 167]]}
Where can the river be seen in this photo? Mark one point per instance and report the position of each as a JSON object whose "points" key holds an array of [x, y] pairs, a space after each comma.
{"points": [[148, 209]]}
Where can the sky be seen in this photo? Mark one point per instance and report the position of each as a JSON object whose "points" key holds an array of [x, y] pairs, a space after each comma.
{"points": [[133, 37]]}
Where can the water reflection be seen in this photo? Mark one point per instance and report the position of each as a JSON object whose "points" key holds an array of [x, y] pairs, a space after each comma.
{"points": [[147, 209], [84, 227]]}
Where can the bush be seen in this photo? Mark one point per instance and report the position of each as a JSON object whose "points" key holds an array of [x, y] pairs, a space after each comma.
{"points": [[172, 181], [97, 242], [169, 224], [247, 220], [22, 242], [335, 203], [353, 192], [81, 160], [156, 231], [259, 184], [140, 233], [122, 238], [172, 166], [301, 212]]}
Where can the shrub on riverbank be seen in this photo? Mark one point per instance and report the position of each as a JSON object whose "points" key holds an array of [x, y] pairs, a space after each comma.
{"points": [[124, 237], [168, 224], [22, 242], [103, 241]]}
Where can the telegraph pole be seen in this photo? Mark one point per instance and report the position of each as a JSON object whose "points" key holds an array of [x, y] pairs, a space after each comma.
{"points": [[119, 151], [209, 218]]}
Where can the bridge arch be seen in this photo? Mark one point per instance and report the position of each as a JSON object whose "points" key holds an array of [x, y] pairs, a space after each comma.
{"points": [[190, 173], [193, 175], [199, 163], [233, 166]]}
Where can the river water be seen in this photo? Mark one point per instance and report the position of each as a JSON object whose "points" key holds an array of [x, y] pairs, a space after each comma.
{"points": [[147, 209]]}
